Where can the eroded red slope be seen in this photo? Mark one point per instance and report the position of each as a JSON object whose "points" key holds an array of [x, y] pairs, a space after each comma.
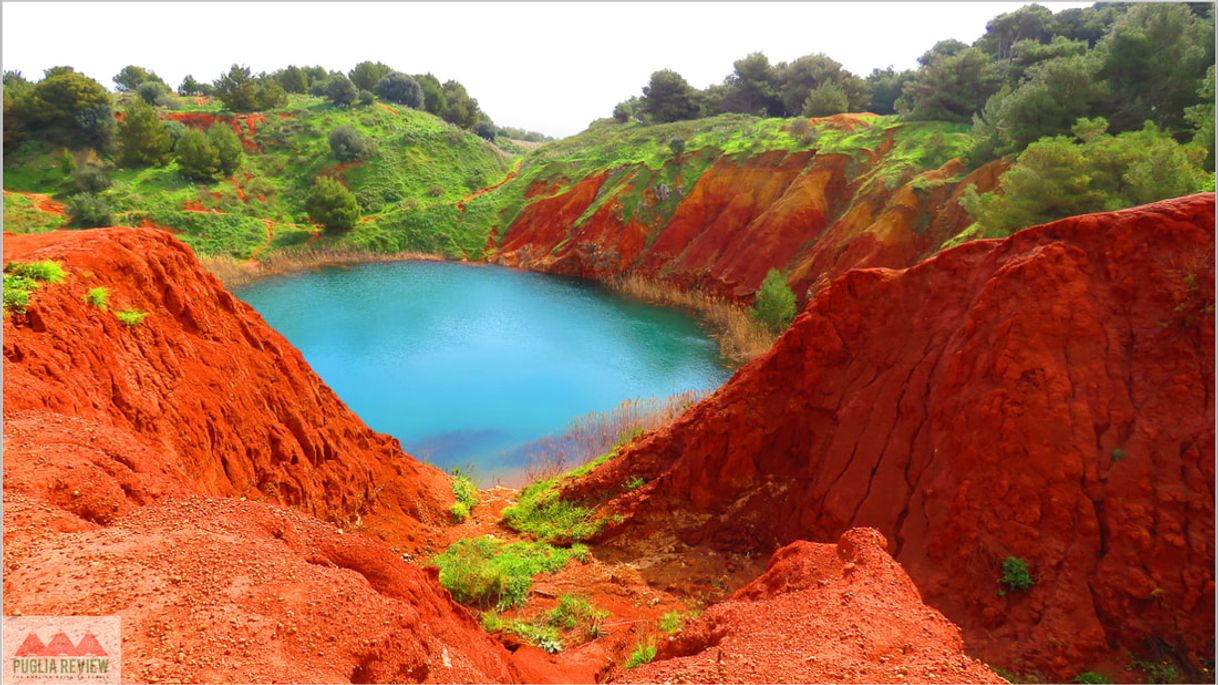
{"points": [[205, 381], [1046, 396]]}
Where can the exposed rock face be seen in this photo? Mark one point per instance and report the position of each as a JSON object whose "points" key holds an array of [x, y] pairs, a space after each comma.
{"points": [[1047, 396], [812, 215], [125, 451], [206, 384], [843, 613]]}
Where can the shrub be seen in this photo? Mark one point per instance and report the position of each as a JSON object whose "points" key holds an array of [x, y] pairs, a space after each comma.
{"points": [[90, 179], [151, 92], [348, 145], [1015, 574], [98, 297], [365, 98], [1091, 677], [774, 305], [238, 90], [642, 653], [573, 611], [67, 163], [401, 89], [543, 636], [487, 571], [145, 142], [826, 99], [271, 95], [17, 292], [340, 90], [227, 146], [677, 146], [1157, 671], [86, 210], [131, 317], [466, 493], [198, 159], [331, 204], [176, 130]]}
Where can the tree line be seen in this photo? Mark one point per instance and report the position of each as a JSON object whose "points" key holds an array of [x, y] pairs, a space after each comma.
{"points": [[1033, 74]]}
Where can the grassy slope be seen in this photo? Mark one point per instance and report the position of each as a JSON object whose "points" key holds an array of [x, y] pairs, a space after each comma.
{"points": [[421, 167], [411, 187]]}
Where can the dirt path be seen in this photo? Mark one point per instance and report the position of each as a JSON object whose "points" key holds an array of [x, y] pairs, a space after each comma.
{"points": [[510, 175], [43, 203]]}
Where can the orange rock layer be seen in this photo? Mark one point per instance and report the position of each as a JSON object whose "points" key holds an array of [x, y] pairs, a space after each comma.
{"points": [[1047, 397]]}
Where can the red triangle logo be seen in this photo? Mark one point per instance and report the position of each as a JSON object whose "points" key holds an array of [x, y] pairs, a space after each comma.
{"points": [[31, 647], [89, 646], [60, 645]]}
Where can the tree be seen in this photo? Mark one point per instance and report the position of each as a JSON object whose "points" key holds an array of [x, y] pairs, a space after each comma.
{"points": [[227, 145], [131, 77], [399, 88], [460, 108], [366, 74], [190, 86], [824, 100], [71, 107], [86, 210], [293, 79], [1063, 176], [330, 204], [627, 110], [152, 92], [348, 145], [271, 94], [340, 90], [237, 89], [1030, 22], [198, 159], [176, 130], [774, 305], [1153, 59], [145, 142], [1201, 116], [804, 75], [1055, 95], [365, 98], [433, 94], [485, 129], [885, 87], [752, 87], [952, 87], [668, 97]]}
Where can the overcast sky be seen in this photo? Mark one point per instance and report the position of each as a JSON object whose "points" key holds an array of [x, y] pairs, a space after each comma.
{"points": [[549, 67]]}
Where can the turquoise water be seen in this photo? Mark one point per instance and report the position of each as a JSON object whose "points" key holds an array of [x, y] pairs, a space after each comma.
{"points": [[469, 365]]}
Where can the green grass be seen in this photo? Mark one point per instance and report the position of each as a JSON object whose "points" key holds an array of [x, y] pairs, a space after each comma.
{"points": [[485, 571], [466, 493], [642, 653], [131, 317], [671, 622], [544, 636], [634, 483], [21, 215], [541, 512], [99, 297], [21, 279], [573, 611], [1091, 678]]}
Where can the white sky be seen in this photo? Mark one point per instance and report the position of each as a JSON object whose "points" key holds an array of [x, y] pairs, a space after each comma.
{"points": [[549, 67]]}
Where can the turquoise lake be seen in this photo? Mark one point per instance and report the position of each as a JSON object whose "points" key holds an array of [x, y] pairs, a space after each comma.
{"points": [[472, 365]]}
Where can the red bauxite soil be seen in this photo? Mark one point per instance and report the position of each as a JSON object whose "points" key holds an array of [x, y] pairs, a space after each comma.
{"points": [[225, 398], [1047, 396], [843, 613], [812, 215]]}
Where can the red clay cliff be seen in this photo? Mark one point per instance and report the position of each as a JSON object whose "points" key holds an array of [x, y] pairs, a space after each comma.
{"points": [[1046, 396]]}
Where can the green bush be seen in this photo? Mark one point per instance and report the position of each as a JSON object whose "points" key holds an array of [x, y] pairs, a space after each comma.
{"points": [[466, 493], [331, 204], [86, 210], [228, 148], [348, 145], [1091, 678], [131, 317], [573, 611], [198, 159], [21, 279], [544, 636], [671, 622], [541, 512], [98, 297], [642, 653], [401, 89], [1015, 575], [774, 305], [486, 571], [145, 142], [90, 179], [1162, 671]]}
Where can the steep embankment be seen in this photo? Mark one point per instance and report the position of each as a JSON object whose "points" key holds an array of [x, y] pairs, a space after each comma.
{"points": [[715, 204], [204, 380], [1047, 397], [132, 459]]}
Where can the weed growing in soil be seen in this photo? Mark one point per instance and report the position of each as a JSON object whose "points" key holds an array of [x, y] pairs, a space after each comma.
{"points": [[131, 317], [1015, 575], [1091, 677], [544, 636], [486, 571], [539, 511], [574, 612], [22, 279], [466, 494], [642, 653], [98, 297], [671, 622]]}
